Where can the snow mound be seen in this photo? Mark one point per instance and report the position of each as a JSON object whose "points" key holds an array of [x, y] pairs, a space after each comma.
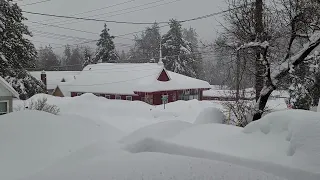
{"points": [[302, 129], [150, 145], [121, 165], [210, 115], [162, 130], [32, 140]]}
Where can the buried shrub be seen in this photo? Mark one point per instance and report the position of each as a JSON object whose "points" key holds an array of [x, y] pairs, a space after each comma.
{"points": [[39, 105]]}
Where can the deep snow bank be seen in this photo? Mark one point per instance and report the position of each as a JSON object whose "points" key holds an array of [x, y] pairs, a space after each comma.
{"points": [[159, 146], [128, 116], [162, 130], [210, 115], [290, 138], [302, 130], [32, 140], [118, 164]]}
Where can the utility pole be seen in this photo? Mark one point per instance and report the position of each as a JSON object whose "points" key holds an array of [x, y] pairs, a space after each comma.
{"points": [[238, 76], [259, 30]]}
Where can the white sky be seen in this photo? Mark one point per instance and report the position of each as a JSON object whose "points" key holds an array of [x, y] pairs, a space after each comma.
{"points": [[179, 9]]}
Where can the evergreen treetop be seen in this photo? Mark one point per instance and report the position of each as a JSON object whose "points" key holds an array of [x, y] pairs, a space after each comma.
{"points": [[106, 47]]}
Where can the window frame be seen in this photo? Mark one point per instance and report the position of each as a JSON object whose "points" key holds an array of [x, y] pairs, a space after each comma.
{"points": [[7, 102], [117, 97], [130, 98]]}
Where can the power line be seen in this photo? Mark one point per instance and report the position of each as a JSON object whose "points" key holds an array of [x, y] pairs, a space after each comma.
{"points": [[38, 2], [97, 15], [106, 7], [71, 29], [182, 21], [61, 27], [91, 19]]}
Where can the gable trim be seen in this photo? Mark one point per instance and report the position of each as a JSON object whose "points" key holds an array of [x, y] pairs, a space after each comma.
{"points": [[167, 74]]}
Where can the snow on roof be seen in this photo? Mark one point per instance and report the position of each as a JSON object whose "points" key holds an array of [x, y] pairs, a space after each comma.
{"points": [[249, 93], [128, 78], [54, 78], [4, 83]]}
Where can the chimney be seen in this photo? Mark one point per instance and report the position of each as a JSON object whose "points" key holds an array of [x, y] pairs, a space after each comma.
{"points": [[44, 79]]}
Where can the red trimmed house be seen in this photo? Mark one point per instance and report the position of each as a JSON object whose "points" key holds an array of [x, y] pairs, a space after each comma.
{"points": [[147, 82]]}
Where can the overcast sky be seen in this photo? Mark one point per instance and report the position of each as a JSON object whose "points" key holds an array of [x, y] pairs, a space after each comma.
{"points": [[135, 11]]}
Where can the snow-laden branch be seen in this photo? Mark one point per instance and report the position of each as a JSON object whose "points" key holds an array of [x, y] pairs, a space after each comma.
{"points": [[295, 60], [263, 45]]}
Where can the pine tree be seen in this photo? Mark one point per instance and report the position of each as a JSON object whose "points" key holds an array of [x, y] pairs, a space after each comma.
{"points": [[147, 45], [191, 36], [87, 56], [178, 53], [106, 47], [76, 60], [67, 54], [47, 59], [16, 51]]}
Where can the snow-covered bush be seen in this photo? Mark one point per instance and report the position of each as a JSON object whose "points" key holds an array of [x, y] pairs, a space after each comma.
{"points": [[238, 112], [40, 104]]}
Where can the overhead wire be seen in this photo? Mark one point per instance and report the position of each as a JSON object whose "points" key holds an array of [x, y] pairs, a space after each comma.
{"points": [[137, 10], [106, 7], [182, 21], [91, 19], [33, 3]]}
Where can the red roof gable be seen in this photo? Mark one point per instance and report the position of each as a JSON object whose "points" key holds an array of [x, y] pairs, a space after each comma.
{"points": [[163, 76]]}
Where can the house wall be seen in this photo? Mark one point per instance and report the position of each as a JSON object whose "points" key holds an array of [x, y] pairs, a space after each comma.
{"points": [[57, 92], [4, 91], [112, 96], [9, 99], [154, 98], [163, 76]]}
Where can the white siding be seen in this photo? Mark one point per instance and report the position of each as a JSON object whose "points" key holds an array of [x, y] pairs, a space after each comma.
{"points": [[4, 91]]}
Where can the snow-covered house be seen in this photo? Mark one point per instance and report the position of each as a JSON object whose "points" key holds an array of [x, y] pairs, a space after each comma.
{"points": [[53, 78], [217, 94], [149, 82], [7, 93]]}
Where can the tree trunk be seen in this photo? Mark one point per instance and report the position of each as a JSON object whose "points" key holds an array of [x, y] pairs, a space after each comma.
{"points": [[259, 82], [238, 76], [262, 102]]}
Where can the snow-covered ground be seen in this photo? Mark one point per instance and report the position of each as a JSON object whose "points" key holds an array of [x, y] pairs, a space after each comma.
{"points": [[96, 138]]}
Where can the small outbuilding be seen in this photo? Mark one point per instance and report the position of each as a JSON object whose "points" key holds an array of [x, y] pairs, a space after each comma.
{"points": [[7, 93]]}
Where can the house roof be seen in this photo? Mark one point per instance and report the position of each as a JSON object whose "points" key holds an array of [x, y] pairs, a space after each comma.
{"points": [[128, 78], [5, 84], [249, 93], [55, 77]]}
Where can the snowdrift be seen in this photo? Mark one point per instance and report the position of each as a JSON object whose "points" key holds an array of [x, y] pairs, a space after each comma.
{"points": [[210, 115], [121, 165], [32, 140], [302, 133], [159, 146], [128, 116], [162, 130], [290, 138]]}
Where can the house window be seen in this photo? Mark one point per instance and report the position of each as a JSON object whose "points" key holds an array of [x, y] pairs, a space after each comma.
{"points": [[107, 96], [4, 107], [174, 98], [118, 97], [129, 98]]}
